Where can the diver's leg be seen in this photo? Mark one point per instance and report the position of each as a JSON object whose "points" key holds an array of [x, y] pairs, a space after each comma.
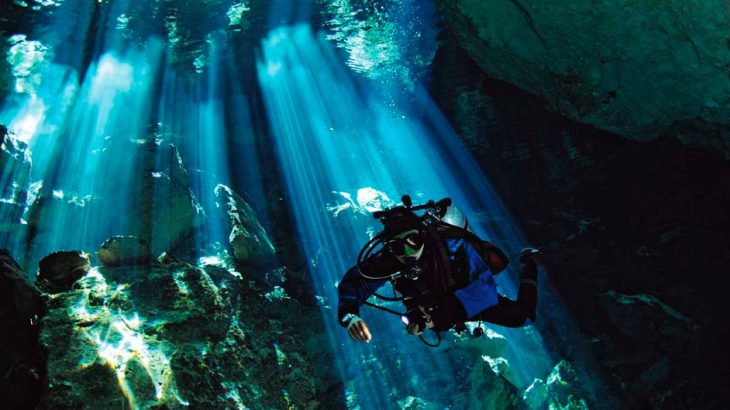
{"points": [[515, 313]]}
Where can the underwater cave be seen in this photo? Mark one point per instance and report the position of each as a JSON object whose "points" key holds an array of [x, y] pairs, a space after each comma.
{"points": [[193, 194]]}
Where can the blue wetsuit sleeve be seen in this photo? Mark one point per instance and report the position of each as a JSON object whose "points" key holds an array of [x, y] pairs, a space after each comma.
{"points": [[353, 291], [481, 292]]}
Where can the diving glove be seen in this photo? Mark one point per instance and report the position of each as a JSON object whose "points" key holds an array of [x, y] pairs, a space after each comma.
{"points": [[417, 320]]}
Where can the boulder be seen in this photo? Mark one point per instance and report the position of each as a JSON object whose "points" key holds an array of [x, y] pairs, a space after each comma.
{"points": [[59, 270], [248, 238], [124, 250], [53, 212], [165, 197], [489, 389], [652, 69]]}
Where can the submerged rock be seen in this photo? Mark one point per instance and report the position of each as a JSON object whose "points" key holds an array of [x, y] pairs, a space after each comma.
{"points": [[20, 299], [175, 336], [248, 238], [535, 394], [59, 270], [415, 403], [15, 164], [22, 367], [124, 250], [162, 208], [649, 322], [563, 388], [146, 195], [656, 68], [489, 389]]}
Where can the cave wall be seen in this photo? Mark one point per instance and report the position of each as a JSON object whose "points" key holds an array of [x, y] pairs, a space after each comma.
{"points": [[638, 69], [636, 233]]}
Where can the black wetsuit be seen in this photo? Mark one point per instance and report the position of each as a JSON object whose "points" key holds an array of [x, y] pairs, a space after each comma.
{"points": [[449, 303]]}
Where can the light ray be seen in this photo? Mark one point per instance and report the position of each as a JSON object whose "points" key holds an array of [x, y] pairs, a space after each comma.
{"points": [[334, 135]]}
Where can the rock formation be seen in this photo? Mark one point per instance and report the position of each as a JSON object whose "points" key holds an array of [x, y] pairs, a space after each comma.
{"points": [[248, 238], [177, 335], [150, 189], [59, 270], [15, 164], [651, 69], [636, 232], [22, 367], [124, 250]]}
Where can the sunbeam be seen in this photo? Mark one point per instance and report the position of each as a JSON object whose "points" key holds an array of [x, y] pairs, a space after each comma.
{"points": [[216, 164], [334, 135]]}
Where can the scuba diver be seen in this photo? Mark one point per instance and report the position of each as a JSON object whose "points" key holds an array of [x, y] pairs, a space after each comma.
{"points": [[443, 272]]}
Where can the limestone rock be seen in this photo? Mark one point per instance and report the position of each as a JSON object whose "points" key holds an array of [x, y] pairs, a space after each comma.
{"points": [[572, 181], [15, 164], [415, 403], [501, 394], [59, 270], [655, 68], [163, 209], [176, 336], [535, 394], [248, 238], [648, 322], [22, 364], [152, 201], [53, 212], [20, 298], [124, 250], [563, 388], [167, 258]]}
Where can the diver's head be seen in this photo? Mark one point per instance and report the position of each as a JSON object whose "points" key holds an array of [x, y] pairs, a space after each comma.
{"points": [[407, 246], [404, 236]]}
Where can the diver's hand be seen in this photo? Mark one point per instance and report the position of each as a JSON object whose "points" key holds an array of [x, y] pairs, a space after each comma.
{"points": [[359, 330], [417, 320]]}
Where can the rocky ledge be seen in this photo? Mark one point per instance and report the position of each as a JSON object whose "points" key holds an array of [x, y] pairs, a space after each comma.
{"points": [[640, 70]]}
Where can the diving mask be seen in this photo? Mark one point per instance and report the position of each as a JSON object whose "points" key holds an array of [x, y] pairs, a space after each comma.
{"points": [[407, 246]]}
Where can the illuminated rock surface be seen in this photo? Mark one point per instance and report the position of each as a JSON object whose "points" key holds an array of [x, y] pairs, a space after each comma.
{"points": [[651, 69], [157, 191], [124, 250], [249, 240], [15, 163], [179, 336], [59, 270]]}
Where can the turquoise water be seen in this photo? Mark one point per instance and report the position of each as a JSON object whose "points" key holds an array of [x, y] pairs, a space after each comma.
{"points": [[325, 104]]}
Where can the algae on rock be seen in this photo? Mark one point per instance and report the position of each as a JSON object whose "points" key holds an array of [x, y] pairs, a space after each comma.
{"points": [[175, 335]]}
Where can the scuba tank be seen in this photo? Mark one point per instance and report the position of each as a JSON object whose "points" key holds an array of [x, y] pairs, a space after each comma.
{"points": [[455, 217]]}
